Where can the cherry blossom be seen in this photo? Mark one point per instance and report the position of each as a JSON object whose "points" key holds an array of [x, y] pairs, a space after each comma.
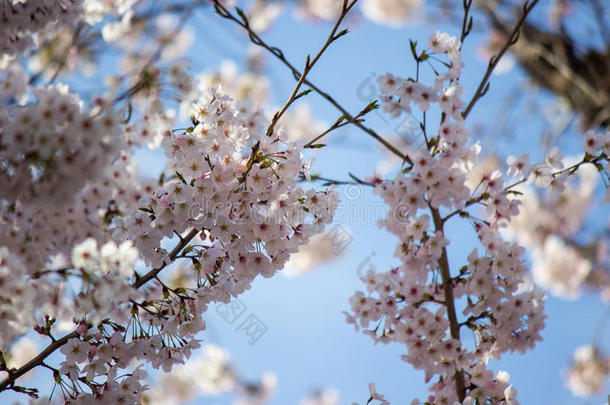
{"points": [[21, 20], [589, 372]]}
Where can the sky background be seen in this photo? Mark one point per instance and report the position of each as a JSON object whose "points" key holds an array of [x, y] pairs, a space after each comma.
{"points": [[308, 344]]}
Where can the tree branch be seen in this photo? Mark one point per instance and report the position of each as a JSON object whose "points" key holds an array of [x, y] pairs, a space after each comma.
{"points": [[140, 281], [494, 60], [309, 64], [184, 241], [257, 40], [553, 60], [454, 326]]}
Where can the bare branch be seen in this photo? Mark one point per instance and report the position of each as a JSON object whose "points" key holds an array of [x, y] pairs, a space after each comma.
{"points": [[333, 36], [257, 40], [494, 60]]}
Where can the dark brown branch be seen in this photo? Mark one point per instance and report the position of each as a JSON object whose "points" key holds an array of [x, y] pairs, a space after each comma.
{"points": [[184, 241], [553, 61], [454, 326], [36, 361]]}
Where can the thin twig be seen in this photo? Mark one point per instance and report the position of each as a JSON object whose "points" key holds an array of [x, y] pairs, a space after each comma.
{"points": [[257, 40], [338, 124], [309, 64], [494, 60], [291, 99], [341, 122], [466, 22], [337, 182]]}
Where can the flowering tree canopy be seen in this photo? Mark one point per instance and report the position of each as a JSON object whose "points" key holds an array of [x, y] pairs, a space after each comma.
{"points": [[108, 275]]}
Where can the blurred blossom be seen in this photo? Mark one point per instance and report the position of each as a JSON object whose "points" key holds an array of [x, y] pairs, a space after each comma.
{"points": [[589, 372], [322, 397], [491, 48], [320, 9], [176, 42], [303, 126], [262, 13], [209, 374], [318, 251], [391, 12], [22, 351], [560, 268], [548, 225]]}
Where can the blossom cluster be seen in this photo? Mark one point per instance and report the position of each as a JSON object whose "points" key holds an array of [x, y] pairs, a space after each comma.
{"points": [[250, 215], [211, 372], [100, 359], [238, 186], [104, 275], [66, 173], [235, 186], [591, 369], [414, 303], [20, 20], [84, 241], [18, 301], [250, 90], [51, 148], [384, 12], [13, 85], [550, 224], [107, 272]]}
